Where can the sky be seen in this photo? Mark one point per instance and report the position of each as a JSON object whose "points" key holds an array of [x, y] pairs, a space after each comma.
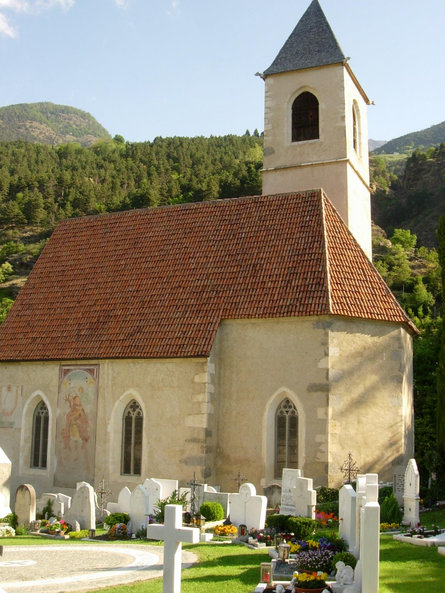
{"points": [[148, 68]]}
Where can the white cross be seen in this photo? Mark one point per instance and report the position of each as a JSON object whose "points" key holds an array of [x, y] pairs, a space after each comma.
{"points": [[173, 535]]}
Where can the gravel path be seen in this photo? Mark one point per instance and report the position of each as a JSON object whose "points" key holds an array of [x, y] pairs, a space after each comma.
{"points": [[66, 568]]}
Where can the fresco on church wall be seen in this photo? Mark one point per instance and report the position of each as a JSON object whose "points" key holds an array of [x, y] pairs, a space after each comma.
{"points": [[10, 406], [76, 425]]}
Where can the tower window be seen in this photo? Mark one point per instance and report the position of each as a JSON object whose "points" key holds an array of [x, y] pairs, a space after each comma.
{"points": [[286, 437], [132, 439], [39, 449], [355, 128], [305, 118]]}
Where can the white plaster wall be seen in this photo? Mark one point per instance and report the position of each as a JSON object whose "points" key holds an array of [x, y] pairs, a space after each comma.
{"points": [[371, 399]]}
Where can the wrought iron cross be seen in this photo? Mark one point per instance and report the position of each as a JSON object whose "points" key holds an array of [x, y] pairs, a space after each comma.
{"points": [[350, 469]]}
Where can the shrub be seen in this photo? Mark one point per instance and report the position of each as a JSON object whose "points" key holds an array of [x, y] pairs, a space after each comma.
{"points": [[173, 499], [47, 511], [141, 533], [325, 494], [346, 557], [302, 527], [390, 511], [21, 530], [115, 518], [384, 492], [10, 519], [328, 507], [278, 522], [78, 534], [212, 511]]}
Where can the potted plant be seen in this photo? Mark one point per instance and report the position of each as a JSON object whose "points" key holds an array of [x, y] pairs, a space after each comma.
{"points": [[309, 582]]}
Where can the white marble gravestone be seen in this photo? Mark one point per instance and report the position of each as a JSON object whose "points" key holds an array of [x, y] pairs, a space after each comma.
{"points": [[138, 509], [298, 496], [123, 502], [347, 500], [411, 495], [248, 508], [25, 504], [5, 476], [83, 507], [154, 491], [398, 485], [173, 535], [370, 545]]}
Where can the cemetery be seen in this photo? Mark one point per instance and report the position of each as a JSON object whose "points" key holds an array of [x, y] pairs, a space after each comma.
{"points": [[304, 545]]}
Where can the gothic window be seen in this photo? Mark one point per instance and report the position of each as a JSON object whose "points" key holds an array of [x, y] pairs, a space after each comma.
{"points": [[305, 118], [39, 446], [355, 129], [132, 439], [286, 437]]}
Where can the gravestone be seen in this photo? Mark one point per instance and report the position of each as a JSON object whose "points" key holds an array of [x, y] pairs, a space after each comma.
{"points": [[65, 502], [138, 509], [154, 492], [60, 503], [398, 484], [173, 535], [297, 495], [123, 502], [411, 495], [347, 500], [221, 497], [248, 508], [273, 495], [25, 504], [5, 477], [366, 543], [83, 507]]}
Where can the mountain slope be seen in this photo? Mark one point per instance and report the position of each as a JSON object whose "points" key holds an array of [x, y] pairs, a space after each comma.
{"points": [[423, 139], [48, 123]]}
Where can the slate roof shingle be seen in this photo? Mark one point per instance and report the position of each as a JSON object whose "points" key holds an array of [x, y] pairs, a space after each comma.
{"points": [[156, 283], [311, 44]]}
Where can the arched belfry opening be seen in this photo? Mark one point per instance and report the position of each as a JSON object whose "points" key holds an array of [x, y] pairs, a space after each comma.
{"points": [[305, 118]]}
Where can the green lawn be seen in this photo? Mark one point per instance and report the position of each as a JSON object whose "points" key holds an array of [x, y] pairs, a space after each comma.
{"points": [[228, 568]]}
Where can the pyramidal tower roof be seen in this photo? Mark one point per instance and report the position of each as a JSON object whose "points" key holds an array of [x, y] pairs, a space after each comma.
{"points": [[312, 43]]}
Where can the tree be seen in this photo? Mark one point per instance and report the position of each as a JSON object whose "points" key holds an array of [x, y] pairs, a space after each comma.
{"points": [[441, 369]]}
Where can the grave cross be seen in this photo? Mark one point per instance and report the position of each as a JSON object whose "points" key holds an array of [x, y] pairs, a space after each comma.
{"points": [[173, 535], [193, 485], [239, 479], [103, 495], [350, 469]]}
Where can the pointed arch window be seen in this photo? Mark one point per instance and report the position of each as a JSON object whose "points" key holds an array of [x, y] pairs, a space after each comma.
{"points": [[132, 424], [305, 120], [286, 437], [355, 128], [39, 444]]}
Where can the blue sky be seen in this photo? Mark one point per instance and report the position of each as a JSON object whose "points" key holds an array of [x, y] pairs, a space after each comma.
{"points": [[147, 68]]}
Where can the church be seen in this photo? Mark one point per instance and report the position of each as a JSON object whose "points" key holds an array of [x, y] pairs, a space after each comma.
{"points": [[221, 338]]}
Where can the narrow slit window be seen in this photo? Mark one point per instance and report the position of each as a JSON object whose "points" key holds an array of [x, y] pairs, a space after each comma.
{"points": [[39, 448], [132, 439], [286, 437]]}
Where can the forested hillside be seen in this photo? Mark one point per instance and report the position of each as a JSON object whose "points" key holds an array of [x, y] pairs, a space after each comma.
{"points": [[48, 123], [421, 140]]}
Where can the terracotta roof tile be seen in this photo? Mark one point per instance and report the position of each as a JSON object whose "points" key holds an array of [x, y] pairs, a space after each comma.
{"points": [[156, 283]]}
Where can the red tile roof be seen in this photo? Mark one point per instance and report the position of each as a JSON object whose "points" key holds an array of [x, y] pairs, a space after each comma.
{"points": [[156, 283]]}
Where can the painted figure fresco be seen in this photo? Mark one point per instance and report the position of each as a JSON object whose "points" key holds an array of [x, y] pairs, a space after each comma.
{"points": [[76, 421]]}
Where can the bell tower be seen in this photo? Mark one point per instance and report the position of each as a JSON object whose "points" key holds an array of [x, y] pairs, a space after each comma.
{"points": [[315, 128]]}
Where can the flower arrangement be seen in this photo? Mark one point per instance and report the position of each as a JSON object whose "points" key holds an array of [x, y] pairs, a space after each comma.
{"points": [[225, 530], [6, 531], [61, 526], [262, 537], [389, 526], [309, 580], [326, 519], [118, 530], [315, 559]]}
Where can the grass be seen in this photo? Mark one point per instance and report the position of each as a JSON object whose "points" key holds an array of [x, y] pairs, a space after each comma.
{"points": [[228, 568]]}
